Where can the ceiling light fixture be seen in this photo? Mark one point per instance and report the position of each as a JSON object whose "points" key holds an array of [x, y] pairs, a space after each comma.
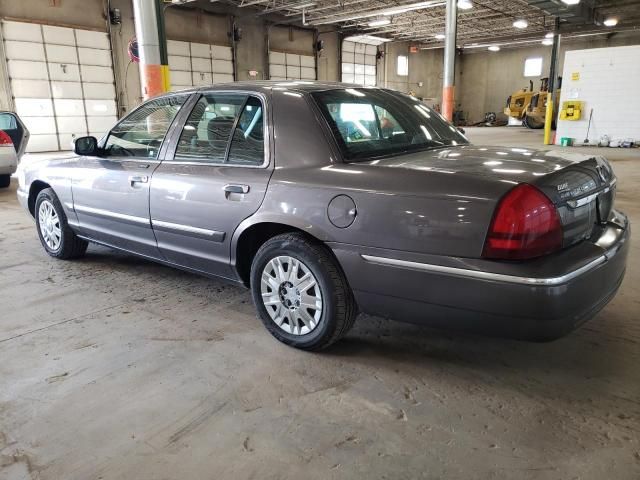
{"points": [[611, 22], [521, 23], [549, 35], [379, 22], [465, 4], [494, 48], [547, 41], [571, 2], [439, 36]]}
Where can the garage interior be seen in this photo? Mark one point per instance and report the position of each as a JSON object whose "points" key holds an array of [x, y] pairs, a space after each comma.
{"points": [[114, 367]]}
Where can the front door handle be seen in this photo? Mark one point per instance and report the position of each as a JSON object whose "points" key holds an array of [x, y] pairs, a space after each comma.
{"points": [[133, 179], [233, 188]]}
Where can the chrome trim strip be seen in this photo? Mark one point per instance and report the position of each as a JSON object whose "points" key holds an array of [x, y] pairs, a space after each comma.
{"points": [[196, 231], [108, 214], [497, 277]]}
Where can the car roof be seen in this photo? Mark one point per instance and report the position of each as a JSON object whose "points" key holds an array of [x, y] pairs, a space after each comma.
{"points": [[302, 86]]}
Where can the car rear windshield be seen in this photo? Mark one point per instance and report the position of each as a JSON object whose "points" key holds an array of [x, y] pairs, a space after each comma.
{"points": [[369, 123]]}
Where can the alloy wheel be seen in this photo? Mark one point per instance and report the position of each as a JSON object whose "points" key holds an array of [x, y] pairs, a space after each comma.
{"points": [[291, 295], [49, 224]]}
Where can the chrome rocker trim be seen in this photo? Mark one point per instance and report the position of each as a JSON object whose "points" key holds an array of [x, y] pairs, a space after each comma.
{"points": [[188, 230], [98, 212]]}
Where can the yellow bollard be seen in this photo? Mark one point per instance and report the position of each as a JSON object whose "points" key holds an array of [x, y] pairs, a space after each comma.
{"points": [[548, 119]]}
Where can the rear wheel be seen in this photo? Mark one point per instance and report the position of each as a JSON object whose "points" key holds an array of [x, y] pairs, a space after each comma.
{"points": [[5, 181], [56, 236], [300, 292]]}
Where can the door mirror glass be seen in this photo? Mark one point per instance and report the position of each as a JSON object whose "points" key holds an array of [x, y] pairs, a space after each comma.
{"points": [[86, 146]]}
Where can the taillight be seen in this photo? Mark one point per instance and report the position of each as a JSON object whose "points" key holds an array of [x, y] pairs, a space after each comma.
{"points": [[525, 225], [5, 139]]}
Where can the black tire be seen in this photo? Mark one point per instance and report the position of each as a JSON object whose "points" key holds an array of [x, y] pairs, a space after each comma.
{"points": [[339, 309], [71, 246], [5, 181], [531, 124]]}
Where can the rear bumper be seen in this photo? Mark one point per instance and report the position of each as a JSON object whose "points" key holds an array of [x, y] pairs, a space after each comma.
{"points": [[540, 300]]}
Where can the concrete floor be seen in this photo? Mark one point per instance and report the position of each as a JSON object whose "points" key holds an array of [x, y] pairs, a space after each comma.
{"points": [[115, 368]]}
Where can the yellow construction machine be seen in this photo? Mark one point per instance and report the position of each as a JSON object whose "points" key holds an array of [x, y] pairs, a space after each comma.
{"points": [[531, 107]]}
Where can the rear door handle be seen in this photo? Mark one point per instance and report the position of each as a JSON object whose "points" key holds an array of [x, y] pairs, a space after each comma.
{"points": [[233, 188], [133, 179]]}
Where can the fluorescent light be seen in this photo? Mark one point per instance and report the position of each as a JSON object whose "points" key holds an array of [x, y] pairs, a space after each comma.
{"points": [[465, 4], [494, 48], [407, 8], [389, 11], [549, 35], [521, 23], [611, 22], [439, 36], [547, 41], [368, 39], [571, 2], [379, 22], [302, 5]]}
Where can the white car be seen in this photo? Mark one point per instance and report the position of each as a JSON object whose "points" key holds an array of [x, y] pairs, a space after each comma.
{"points": [[14, 137]]}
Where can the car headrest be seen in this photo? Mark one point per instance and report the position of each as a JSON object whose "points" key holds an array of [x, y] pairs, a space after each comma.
{"points": [[219, 129]]}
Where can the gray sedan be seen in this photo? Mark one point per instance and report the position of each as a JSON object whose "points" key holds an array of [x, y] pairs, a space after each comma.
{"points": [[327, 199]]}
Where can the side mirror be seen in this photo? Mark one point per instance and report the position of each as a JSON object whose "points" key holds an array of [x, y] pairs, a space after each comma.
{"points": [[461, 130], [86, 146]]}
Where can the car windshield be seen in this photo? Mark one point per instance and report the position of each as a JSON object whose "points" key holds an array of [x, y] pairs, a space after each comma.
{"points": [[369, 123]]}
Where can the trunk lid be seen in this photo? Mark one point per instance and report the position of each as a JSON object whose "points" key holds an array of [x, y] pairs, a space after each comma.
{"points": [[582, 187]]}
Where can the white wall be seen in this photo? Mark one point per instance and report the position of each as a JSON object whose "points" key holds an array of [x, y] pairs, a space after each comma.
{"points": [[608, 83]]}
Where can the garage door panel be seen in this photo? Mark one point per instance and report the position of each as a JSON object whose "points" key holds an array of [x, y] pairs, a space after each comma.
{"points": [[66, 107], [28, 32], [40, 125], [58, 35], [61, 54], [202, 78], [30, 88], [371, 50], [201, 64], [348, 46], [277, 58], [181, 78], [177, 62], [293, 72], [24, 50], [175, 47], [222, 67], [292, 59], [370, 80], [21, 69], [177, 88], [95, 74], [43, 143], [71, 124], [100, 108], [307, 61], [278, 71], [201, 50], [87, 38], [94, 56], [222, 78], [67, 139], [99, 91], [100, 124], [66, 89], [67, 72], [307, 73], [370, 60], [220, 52], [348, 57], [34, 107]]}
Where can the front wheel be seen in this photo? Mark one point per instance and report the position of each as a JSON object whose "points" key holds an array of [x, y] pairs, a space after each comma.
{"points": [[300, 292], [56, 236]]}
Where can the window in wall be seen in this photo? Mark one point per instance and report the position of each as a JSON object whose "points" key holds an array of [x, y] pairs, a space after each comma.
{"points": [[403, 65], [359, 63], [533, 67]]}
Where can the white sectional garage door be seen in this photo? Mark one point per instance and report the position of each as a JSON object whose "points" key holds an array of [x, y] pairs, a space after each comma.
{"points": [[359, 63], [61, 80], [291, 66], [196, 64]]}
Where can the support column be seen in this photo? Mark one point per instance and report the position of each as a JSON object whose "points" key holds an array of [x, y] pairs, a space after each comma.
{"points": [[152, 47], [551, 94], [448, 78]]}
